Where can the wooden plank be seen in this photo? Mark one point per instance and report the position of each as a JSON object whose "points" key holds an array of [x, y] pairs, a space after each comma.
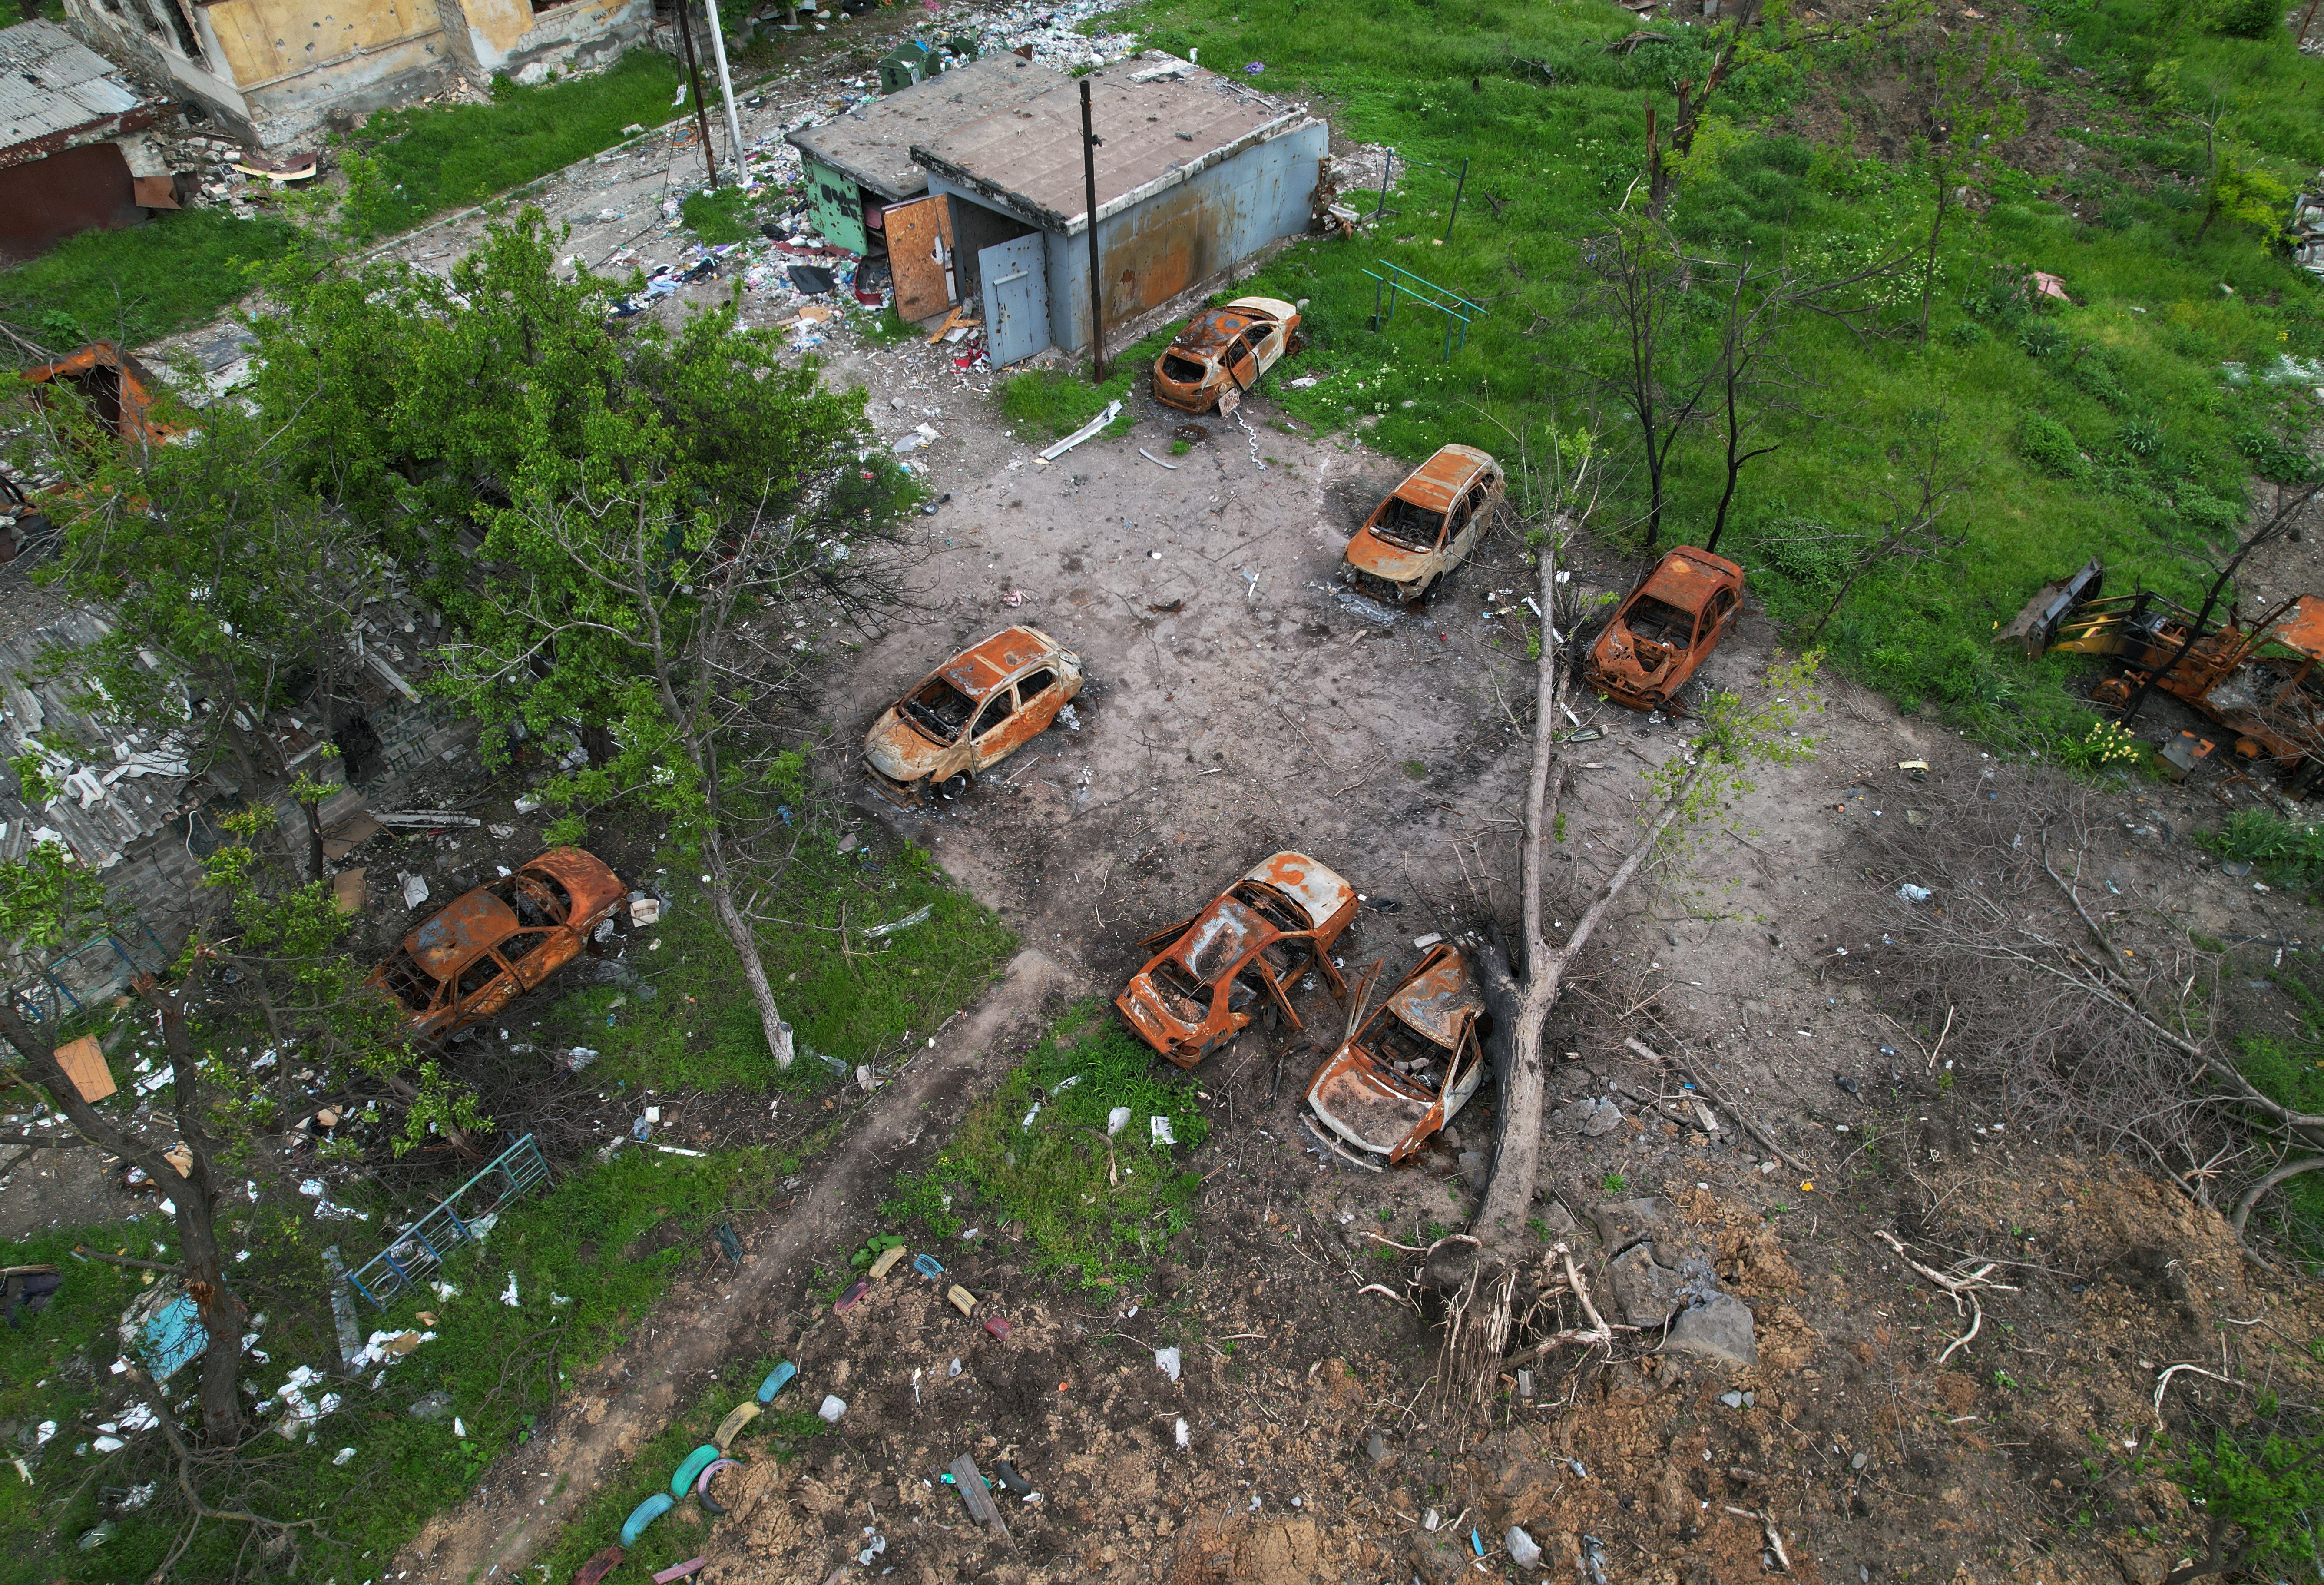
{"points": [[915, 231], [980, 1505], [83, 1062], [347, 890]]}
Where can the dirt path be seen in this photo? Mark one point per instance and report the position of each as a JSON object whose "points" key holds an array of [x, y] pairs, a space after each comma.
{"points": [[627, 1398]]}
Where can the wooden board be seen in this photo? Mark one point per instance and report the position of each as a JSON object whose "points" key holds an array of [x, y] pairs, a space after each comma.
{"points": [[980, 1505], [347, 890], [349, 834], [83, 1062], [915, 232]]}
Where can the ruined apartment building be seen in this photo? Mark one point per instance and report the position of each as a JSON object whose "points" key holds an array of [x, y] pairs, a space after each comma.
{"points": [[276, 71]]}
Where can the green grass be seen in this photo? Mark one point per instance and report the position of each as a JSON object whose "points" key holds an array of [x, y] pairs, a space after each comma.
{"points": [[1098, 1216], [2133, 375], [2289, 853], [406, 165], [176, 270], [1043, 404], [723, 215]]}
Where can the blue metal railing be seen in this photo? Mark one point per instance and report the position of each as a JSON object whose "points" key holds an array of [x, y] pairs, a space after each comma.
{"points": [[1458, 311], [460, 1219]]}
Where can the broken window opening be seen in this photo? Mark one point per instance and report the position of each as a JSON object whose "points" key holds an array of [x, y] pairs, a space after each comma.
{"points": [[997, 711], [535, 899], [1181, 990], [1270, 906], [412, 985], [1411, 525], [1034, 686], [187, 43], [1657, 621], [939, 709], [523, 944], [478, 974], [1395, 1041], [1185, 370]]}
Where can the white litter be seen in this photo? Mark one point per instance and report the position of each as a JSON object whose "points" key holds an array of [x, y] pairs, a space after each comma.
{"points": [[1422, 943], [415, 888], [344, 1455], [1112, 411], [1160, 1128], [833, 1408], [1117, 1120], [508, 1295], [1185, 1438], [1167, 1362], [1027, 1125], [917, 916], [1909, 893]]}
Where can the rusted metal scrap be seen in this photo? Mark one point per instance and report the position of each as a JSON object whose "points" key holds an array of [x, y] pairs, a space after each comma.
{"points": [[1427, 526], [1665, 628], [1223, 350], [1409, 1069], [970, 713], [1249, 950], [120, 392]]}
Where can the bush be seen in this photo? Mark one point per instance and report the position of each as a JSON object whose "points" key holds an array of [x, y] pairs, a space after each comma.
{"points": [[2141, 436], [2041, 338], [2050, 446], [1967, 333], [2275, 458], [2245, 19], [1813, 555]]}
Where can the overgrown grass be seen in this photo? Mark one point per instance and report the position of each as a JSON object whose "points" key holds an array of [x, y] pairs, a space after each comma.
{"points": [[723, 215], [1045, 404], [2290, 1070], [2289, 853], [176, 270], [408, 164], [2115, 427], [1097, 1209]]}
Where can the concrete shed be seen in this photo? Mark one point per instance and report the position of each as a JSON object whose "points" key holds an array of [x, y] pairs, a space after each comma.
{"points": [[65, 163], [861, 163], [1196, 172]]}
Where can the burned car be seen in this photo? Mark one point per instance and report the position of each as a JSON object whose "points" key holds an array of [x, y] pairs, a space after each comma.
{"points": [[970, 713], [1427, 526], [498, 941], [1247, 951], [1665, 628], [1410, 1068], [1222, 352]]}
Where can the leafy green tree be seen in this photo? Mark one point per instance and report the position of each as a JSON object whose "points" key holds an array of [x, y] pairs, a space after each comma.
{"points": [[2244, 193], [1974, 108]]}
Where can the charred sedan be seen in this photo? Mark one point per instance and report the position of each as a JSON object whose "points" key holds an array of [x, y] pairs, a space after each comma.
{"points": [[1247, 949], [498, 941], [1409, 1069], [970, 713], [1223, 350], [1427, 527], [1666, 629]]}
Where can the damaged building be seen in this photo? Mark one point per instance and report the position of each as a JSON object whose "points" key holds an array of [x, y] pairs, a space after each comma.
{"points": [[70, 158], [277, 72], [1195, 172]]}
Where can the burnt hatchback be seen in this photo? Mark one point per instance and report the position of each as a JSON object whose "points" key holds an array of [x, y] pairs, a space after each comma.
{"points": [[1666, 629], [1427, 526], [1410, 1068], [496, 944], [1250, 947], [970, 713], [1223, 352]]}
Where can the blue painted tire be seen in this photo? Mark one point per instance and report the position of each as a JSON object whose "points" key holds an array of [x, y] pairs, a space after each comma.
{"points": [[645, 1513]]}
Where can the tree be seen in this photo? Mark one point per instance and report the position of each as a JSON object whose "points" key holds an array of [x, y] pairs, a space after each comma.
{"points": [[1658, 364], [1914, 529], [48, 902], [1694, 785], [624, 528], [1973, 109]]}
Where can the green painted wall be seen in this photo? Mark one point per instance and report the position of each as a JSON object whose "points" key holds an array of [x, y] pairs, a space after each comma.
{"points": [[837, 205]]}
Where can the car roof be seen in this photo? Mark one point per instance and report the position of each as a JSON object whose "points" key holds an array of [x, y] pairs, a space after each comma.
{"points": [[1437, 481], [1209, 332], [462, 929], [1441, 999], [1224, 937], [992, 663], [1688, 577], [1311, 884]]}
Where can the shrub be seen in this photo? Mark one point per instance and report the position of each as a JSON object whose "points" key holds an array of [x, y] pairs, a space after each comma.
{"points": [[2245, 19], [2050, 446], [2041, 338], [1967, 333], [2141, 436]]}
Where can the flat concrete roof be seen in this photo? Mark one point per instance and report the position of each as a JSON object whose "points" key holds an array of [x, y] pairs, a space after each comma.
{"points": [[873, 142], [1160, 120]]}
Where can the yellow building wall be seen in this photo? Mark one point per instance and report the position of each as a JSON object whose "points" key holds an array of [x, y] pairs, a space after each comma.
{"points": [[262, 39]]}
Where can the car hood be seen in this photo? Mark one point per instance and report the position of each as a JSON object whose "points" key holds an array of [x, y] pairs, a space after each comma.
{"points": [[1141, 1001], [1367, 552], [1621, 650], [898, 751], [1368, 1104]]}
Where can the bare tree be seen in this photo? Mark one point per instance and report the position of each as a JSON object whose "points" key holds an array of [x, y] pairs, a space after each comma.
{"points": [[2287, 515], [1914, 531]]}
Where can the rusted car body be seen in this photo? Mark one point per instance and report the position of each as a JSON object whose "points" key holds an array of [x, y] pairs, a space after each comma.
{"points": [[1222, 350], [498, 941], [1409, 1069], [1427, 527], [1254, 942], [970, 713], [1665, 628], [119, 390], [2256, 680]]}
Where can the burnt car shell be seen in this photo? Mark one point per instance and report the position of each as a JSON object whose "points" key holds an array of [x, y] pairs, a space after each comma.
{"points": [[1427, 526], [1255, 941], [1665, 628], [1202, 363], [1432, 1017], [970, 713], [489, 946]]}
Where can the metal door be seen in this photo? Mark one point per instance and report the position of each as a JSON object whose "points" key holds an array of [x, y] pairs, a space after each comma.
{"points": [[1016, 278]]}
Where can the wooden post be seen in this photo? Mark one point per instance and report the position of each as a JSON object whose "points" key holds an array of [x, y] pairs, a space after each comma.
{"points": [[1097, 286], [693, 79]]}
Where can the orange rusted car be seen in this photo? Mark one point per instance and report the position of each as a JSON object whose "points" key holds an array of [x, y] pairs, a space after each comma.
{"points": [[498, 941], [1222, 352], [970, 713], [1409, 1069], [1665, 628], [1269, 929], [119, 391], [1427, 527]]}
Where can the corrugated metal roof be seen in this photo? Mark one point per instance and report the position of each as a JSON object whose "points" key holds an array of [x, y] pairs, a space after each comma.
{"points": [[52, 83], [873, 142], [1161, 120]]}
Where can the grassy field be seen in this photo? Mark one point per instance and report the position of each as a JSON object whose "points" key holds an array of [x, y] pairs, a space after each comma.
{"points": [[2127, 425], [588, 1257], [130, 286]]}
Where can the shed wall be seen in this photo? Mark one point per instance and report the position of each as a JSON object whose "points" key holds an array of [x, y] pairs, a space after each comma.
{"points": [[44, 201]]}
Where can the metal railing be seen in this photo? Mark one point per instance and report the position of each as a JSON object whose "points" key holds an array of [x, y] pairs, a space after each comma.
{"points": [[463, 1216], [1458, 311]]}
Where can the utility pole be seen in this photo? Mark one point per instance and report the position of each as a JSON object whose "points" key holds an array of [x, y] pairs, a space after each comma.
{"points": [[726, 86], [694, 77], [1090, 140]]}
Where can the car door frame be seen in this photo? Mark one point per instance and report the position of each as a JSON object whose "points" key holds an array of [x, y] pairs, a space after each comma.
{"points": [[1249, 359], [977, 761], [547, 954]]}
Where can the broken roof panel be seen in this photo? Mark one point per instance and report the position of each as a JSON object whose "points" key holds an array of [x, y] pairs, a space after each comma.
{"points": [[1162, 121], [55, 92], [873, 142]]}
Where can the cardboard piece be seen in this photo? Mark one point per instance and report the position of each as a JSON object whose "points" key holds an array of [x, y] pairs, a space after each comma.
{"points": [[347, 890], [349, 834], [83, 1062]]}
